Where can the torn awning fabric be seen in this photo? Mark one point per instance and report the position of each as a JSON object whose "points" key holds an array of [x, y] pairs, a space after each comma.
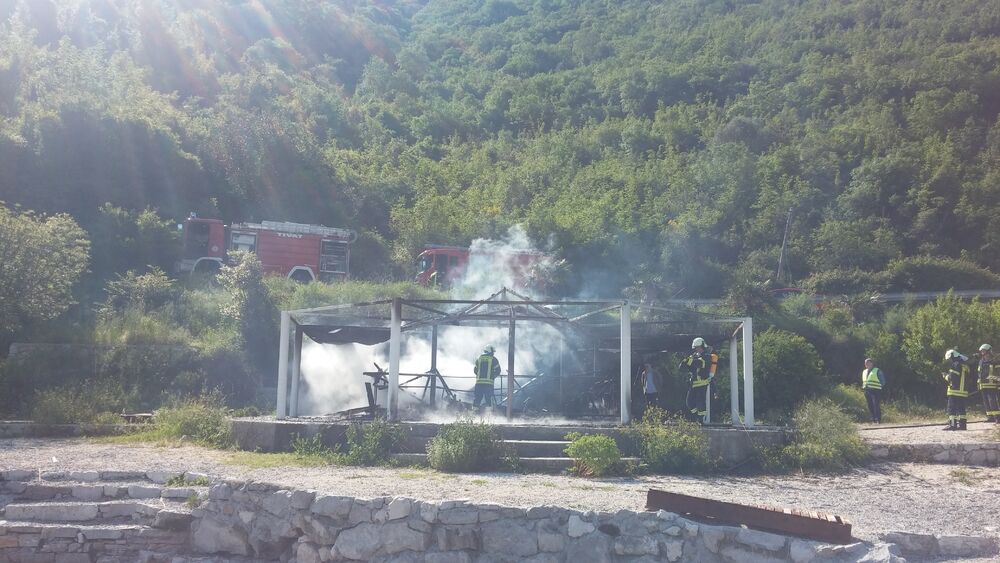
{"points": [[347, 334]]}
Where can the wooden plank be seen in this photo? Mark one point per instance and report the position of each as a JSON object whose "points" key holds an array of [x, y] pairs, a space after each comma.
{"points": [[812, 525]]}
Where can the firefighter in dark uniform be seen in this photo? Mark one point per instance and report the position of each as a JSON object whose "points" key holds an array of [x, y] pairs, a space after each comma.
{"points": [[989, 382], [487, 369], [960, 380], [700, 366]]}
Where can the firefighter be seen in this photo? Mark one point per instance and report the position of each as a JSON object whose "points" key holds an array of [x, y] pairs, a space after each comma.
{"points": [[958, 379], [701, 366], [872, 381], [487, 369], [989, 381]]}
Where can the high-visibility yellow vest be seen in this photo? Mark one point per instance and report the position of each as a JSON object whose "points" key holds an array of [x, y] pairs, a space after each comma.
{"points": [[988, 380], [869, 379]]}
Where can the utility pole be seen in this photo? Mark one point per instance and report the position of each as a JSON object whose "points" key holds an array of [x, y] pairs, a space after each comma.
{"points": [[784, 242]]}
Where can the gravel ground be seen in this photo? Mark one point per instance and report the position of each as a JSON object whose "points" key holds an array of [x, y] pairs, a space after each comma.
{"points": [[928, 434], [910, 497]]}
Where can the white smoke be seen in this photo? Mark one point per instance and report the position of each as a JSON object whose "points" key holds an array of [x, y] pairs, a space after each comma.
{"points": [[333, 373]]}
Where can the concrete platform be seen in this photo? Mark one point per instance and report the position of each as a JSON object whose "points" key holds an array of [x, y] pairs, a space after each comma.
{"points": [[267, 434]]}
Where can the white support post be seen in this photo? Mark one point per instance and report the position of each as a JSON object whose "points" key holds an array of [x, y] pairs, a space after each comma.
{"points": [[626, 365], [748, 372], [293, 409], [395, 333], [734, 381], [282, 407], [708, 404]]}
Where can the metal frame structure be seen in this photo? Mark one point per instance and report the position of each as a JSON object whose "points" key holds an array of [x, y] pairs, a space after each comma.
{"points": [[505, 307]]}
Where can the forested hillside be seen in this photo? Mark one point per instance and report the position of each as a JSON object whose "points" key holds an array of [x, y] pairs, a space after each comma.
{"points": [[652, 144]]}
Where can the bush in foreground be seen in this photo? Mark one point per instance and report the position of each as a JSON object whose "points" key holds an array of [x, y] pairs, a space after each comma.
{"points": [[826, 440], [467, 446], [204, 420], [594, 455], [679, 446], [373, 443]]}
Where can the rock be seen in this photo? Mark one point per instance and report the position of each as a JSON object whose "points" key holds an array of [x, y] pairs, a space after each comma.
{"points": [[140, 492], [337, 507], [690, 529], [170, 520], [246, 516], [762, 540], [428, 512], [966, 546], [450, 538], [193, 476], [673, 550], [943, 456], [302, 499], [360, 513], [883, 553], [737, 553], [636, 545], [592, 548], [87, 493], [537, 512], [84, 476], [458, 503], [550, 537], [577, 527], [666, 516], [18, 475], [977, 457], [912, 544], [399, 508], [177, 492], [51, 512], [306, 553], [802, 551], [510, 538], [278, 503], [359, 542], [397, 537], [52, 475], [215, 537], [458, 516], [123, 475], [221, 491], [447, 557], [711, 536], [672, 531]]}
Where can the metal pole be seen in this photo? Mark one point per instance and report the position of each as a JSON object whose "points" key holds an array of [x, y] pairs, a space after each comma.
{"points": [[708, 404], [734, 381], [395, 332], [282, 408], [748, 372], [296, 371], [434, 363], [626, 365], [510, 366]]}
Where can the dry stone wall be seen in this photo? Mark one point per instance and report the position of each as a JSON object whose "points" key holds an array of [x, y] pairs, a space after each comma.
{"points": [[985, 453]]}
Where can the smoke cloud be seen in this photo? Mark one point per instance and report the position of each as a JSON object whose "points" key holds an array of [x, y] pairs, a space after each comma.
{"points": [[333, 373]]}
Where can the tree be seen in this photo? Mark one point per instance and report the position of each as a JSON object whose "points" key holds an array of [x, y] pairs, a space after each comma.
{"points": [[41, 258]]}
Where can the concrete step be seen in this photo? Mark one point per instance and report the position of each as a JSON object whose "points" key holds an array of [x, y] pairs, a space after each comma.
{"points": [[156, 477], [105, 543], [539, 448], [95, 492], [96, 512], [530, 432]]}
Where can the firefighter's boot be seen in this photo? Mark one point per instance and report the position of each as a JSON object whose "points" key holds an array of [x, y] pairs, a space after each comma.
{"points": [[952, 425], [962, 424]]}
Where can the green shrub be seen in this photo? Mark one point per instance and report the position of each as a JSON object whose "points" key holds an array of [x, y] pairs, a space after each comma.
{"points": [[851, 400], [204, 420], [594, 455], [786, 366], [92, 401], [937, 273], [466, 446], [312, 448], [677, 446], [373, 443], [826, 440]]}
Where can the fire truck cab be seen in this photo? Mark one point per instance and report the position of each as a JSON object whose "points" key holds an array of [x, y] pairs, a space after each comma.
{"points": [[441, 266], [301, 252]]}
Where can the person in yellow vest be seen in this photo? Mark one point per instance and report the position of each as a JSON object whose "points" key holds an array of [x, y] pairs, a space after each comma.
{"points": [[989, 383], [873, 381], [701, 366], [487, 369], [958, 378]]}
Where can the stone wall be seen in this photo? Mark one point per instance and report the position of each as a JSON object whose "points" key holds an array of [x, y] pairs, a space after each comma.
{"points": [[261, 520]]}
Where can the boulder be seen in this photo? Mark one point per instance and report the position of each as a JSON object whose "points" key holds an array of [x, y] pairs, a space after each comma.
{"points": [[212, 536]]}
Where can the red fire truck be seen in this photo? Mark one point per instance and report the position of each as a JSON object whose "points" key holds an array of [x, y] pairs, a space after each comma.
{"points": [[442, 265], [298, 251]]}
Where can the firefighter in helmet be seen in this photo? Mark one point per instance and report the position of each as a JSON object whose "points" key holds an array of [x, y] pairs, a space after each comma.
{"points": [[989, 382], [700, 366], [959, 379], [487, 369]]}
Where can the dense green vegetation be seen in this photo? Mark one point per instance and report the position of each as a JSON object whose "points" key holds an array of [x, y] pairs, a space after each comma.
{"points": [[658, 147]]}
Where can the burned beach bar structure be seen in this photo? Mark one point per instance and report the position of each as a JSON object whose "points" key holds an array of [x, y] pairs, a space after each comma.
{"points": [[590, 351]]}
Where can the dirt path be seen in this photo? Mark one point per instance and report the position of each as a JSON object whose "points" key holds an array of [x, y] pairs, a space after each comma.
{"points": [[916, 498], [928, 433]]}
